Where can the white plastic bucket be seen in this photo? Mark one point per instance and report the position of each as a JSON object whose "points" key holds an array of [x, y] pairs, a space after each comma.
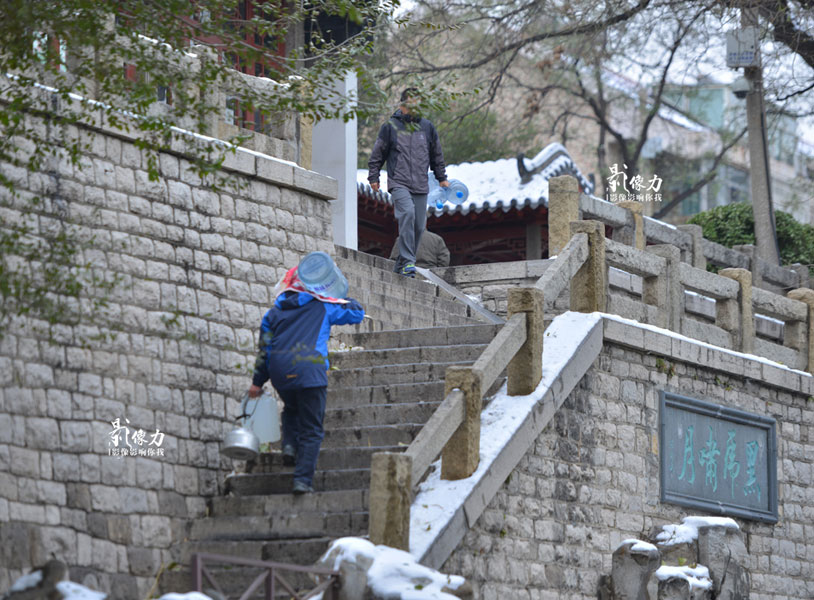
{"points": [[262, 417]]}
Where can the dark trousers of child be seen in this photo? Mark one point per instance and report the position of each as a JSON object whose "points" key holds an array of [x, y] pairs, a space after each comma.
{"points": [[303, 413]]}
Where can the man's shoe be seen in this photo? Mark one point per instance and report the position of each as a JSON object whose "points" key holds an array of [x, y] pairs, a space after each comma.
{"points": [[300, 487], [289, 456], [408, 270]]}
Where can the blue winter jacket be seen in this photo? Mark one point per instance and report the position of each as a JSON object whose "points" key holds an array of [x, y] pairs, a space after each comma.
{"points": [[294, 340]]}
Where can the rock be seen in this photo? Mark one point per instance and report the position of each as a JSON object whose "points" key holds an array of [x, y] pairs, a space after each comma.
{"points": [[633, 563], [722, 551], [352, 565]]}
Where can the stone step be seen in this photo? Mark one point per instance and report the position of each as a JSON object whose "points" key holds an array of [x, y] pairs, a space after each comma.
{"points": [[360, 396], [380, 414], [400, 356], [286, 525], [390, 374], [329, 458], [428, 336], [246, 506], [280, 483], [375, 435], [381, 293]]}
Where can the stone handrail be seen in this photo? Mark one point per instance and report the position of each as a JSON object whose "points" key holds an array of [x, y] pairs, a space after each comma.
{"points": [[625, 220], [670, 270], [706, 283], [436, 432], [558, 276], [454, 428]]}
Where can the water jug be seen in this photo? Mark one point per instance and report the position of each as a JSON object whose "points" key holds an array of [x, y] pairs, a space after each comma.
{"points": [[262, 417], [320, 275], [456, 193]]}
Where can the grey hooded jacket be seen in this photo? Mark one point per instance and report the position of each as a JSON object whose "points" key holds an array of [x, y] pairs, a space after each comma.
{"points": [[410, 146]]}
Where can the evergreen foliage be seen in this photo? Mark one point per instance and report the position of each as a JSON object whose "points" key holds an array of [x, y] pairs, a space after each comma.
{"points": [[734, 224]]}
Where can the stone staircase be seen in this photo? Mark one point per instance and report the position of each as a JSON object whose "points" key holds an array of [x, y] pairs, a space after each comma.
{"points": [[380, 394], [396, 302]]}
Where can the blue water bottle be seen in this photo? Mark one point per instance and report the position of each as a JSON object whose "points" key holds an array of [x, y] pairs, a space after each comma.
{"points": [[320, 275], [456, 193]]}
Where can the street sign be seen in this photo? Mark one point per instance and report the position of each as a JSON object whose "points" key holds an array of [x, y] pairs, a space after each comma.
{"points": [[742, 48]]}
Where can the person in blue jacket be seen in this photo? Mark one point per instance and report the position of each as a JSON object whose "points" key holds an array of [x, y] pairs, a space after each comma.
{"points": [[294, 356]]}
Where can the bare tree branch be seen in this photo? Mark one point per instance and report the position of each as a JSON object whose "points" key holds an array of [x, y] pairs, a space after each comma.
{"points": [[711, 174]]}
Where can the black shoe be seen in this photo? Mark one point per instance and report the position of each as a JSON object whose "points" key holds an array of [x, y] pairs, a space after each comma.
{"points": [[289, 456], [300, 487]]}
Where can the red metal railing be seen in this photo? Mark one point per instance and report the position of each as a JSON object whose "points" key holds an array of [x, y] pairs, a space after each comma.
{"points": [[271, 577]]}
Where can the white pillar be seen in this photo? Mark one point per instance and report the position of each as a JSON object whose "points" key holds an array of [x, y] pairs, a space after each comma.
{"points": [[334, 154]]}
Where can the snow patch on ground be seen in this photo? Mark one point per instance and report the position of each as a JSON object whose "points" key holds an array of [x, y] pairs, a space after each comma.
{"points": [[395, 573]]}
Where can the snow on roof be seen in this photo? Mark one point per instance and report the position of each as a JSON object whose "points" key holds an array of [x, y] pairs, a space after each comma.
{"points": [[393, 573], [494, 185], [697, 577], [687, 532]]}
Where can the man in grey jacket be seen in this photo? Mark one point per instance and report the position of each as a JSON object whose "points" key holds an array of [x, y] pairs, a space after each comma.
{"points": [[432, 251], [410, 145]]}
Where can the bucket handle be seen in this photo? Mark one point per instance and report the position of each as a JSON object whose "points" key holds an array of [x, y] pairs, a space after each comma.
{"points": [[243, 405]]}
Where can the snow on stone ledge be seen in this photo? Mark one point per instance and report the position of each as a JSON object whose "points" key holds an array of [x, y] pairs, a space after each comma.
{"points": [[71, 590], [687, 532], [697, 577], [394, 573], [639, 546]]}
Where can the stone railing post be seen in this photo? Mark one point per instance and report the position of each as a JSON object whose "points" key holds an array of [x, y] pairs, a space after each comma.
{"points": [[737, 316], [806, 295], [563, 208], [803, 274], [589, 286], [671, 302], [391, 494], [697, 260], [750, 250], [461, 455], [635, 236], [525, 370]]}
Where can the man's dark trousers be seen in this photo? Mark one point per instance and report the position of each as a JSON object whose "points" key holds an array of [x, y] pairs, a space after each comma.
{"points": [[303, 413]]}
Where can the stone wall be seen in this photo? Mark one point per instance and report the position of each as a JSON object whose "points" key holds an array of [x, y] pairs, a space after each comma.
{"points": [[197, 268], [591, 480]]}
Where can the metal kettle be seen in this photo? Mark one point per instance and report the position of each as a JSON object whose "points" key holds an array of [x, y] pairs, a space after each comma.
{"points": [[241, 443]]}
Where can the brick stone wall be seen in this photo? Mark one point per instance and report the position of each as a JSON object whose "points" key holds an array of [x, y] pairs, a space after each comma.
{"points": [[591, 480], [197, 268]]}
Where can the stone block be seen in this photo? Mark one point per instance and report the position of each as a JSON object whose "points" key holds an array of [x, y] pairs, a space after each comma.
{"points": [[76, 436], [156, 531], [24, 462], [143, 561], [52, 541], [66, 467], [41, 433], [105, 498], [104, 555]]}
